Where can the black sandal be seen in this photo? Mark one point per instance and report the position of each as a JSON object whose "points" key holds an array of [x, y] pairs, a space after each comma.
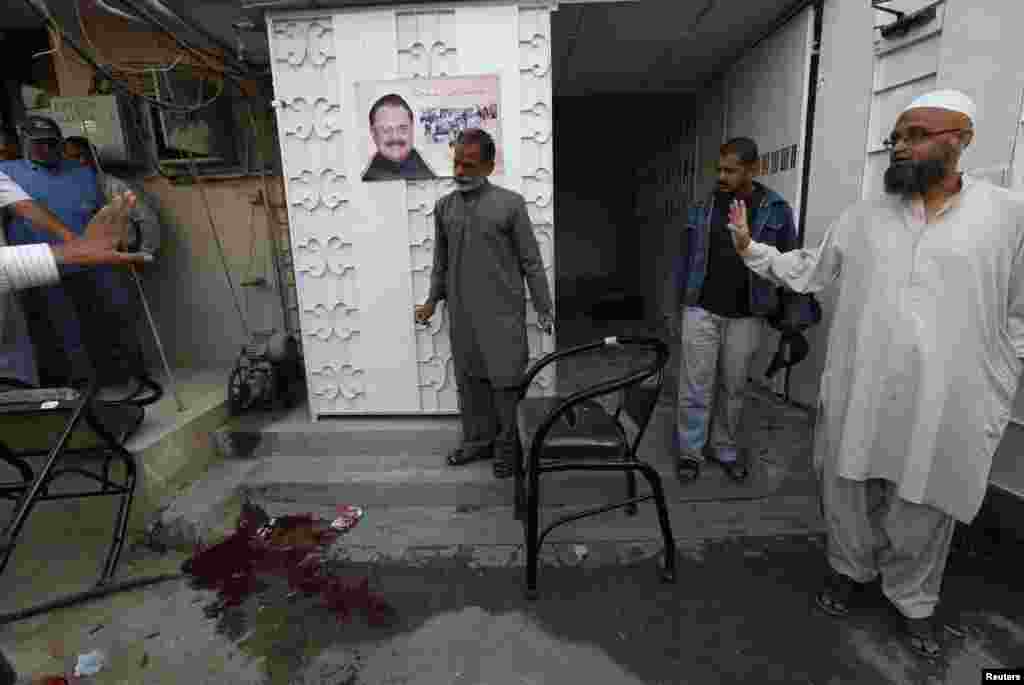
{"points": [[923, 636], [460, 456], [687, 469], [738, 471], [503, 468], [838, 594]]}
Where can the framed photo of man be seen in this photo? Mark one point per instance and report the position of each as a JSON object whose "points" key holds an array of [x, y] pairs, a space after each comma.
{"points": [[412, 124]]}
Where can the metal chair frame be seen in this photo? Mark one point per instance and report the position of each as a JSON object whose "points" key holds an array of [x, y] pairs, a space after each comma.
{"points": [[32, 489], [529, 470]]}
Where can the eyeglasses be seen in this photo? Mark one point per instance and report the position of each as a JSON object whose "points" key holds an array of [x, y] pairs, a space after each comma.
{"points": [[391, 130], [915, 136]]}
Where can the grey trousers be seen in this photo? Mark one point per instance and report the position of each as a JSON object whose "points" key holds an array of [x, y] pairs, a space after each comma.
{"points": [[872, 531], [488, 416], [716, 353]]}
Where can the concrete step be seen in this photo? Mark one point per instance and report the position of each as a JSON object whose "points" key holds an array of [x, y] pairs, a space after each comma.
{"points": [[415, 480], [390, 532], [336, 437]]}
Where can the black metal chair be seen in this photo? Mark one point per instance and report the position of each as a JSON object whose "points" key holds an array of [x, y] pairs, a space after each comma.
{"points": [[576, 433], [22, 410]]}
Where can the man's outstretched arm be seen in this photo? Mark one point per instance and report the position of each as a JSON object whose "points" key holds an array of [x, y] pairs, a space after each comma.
{"points": [[28, 266], [18, 202], [802, 271], [41, 217]]}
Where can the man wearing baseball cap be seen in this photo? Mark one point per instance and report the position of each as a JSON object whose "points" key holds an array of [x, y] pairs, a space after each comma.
{"points": [[923, 359], [29, 266], [86, 326]]}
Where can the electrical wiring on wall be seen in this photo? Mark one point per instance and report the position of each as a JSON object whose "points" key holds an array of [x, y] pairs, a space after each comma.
{"points": [[76, 4], [51, 22]]}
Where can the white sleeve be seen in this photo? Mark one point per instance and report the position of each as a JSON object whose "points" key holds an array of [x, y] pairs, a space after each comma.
{"points": [[1015, 308], [802, 271], [27, 266], [10, 192]]}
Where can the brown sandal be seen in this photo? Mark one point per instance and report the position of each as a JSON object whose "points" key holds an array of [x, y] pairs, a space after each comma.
{"points": [[503, 468], [460, 456], [687, 469], [923, 636], [838, 595]]}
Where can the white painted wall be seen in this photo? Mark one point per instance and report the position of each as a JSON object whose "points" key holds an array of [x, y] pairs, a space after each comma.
{"points": [[837, 154], [767, 96], [766, 92], [363, 251]]}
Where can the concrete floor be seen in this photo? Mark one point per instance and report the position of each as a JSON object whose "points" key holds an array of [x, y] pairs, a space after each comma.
{"points": [[740, 611]]}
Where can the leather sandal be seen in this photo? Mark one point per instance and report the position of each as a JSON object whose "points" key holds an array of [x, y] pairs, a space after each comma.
{"points": [[838, 595], [503, 468], [687, 469], [460, 456], [737, 470], [923, 636]]}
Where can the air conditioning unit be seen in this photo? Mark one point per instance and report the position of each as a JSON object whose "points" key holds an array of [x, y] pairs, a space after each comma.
{"points": [[206, 136], [111, 122]]}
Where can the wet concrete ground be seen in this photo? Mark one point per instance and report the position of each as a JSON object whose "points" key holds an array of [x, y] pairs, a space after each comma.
{"points": [[740, 611]]}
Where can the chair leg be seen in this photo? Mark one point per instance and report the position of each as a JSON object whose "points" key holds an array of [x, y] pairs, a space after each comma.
{"points": [[532, 533], [22, 509], [519, 490], [519, 507], [631, 510], [668, 573], [107, 458], [121, 524]]}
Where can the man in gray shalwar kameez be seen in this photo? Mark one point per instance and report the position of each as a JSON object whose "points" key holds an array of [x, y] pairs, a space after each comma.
{"points": [[484, 246]]}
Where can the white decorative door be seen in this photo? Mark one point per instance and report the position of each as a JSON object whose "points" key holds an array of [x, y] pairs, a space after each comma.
{"points": [[363, 251]]}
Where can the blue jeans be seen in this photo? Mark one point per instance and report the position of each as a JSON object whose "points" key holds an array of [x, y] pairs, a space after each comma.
{"points": [[716, 356]]}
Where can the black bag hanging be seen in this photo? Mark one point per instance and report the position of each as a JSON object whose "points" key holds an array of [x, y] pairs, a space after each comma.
{"points": [[796, 312]]}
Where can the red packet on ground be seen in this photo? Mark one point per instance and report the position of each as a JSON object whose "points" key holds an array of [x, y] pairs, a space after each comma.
{"points": [[348, 516]]}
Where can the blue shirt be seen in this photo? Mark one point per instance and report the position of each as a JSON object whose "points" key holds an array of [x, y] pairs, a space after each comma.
{"points": [[70, 191]]}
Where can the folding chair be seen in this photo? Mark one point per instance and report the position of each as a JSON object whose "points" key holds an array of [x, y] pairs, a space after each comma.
{"points": [[576, 433], [25, 411]]}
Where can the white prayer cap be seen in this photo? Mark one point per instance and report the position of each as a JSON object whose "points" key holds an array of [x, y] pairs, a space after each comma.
{"points": [[952, 100]]}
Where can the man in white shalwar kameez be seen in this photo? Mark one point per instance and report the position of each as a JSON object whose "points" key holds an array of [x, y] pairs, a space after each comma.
{"points": [[922, 363]]}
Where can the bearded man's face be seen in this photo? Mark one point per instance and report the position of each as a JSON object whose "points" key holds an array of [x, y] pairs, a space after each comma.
{"points": [[926, 150], [916, 176]]}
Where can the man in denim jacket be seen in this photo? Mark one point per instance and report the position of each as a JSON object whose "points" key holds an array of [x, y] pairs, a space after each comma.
{"points": [[718, 306]]}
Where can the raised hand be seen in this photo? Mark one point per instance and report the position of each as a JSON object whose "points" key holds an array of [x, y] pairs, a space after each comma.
{"points": [[738, 225], [104, 234]]}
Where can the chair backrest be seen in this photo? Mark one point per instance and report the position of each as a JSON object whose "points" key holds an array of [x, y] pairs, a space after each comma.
{"points": [[638, 403], [638, 389]]}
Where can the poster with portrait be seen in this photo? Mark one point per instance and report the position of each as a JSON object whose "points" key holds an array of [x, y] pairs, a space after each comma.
{"points": [[411, 125]]}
